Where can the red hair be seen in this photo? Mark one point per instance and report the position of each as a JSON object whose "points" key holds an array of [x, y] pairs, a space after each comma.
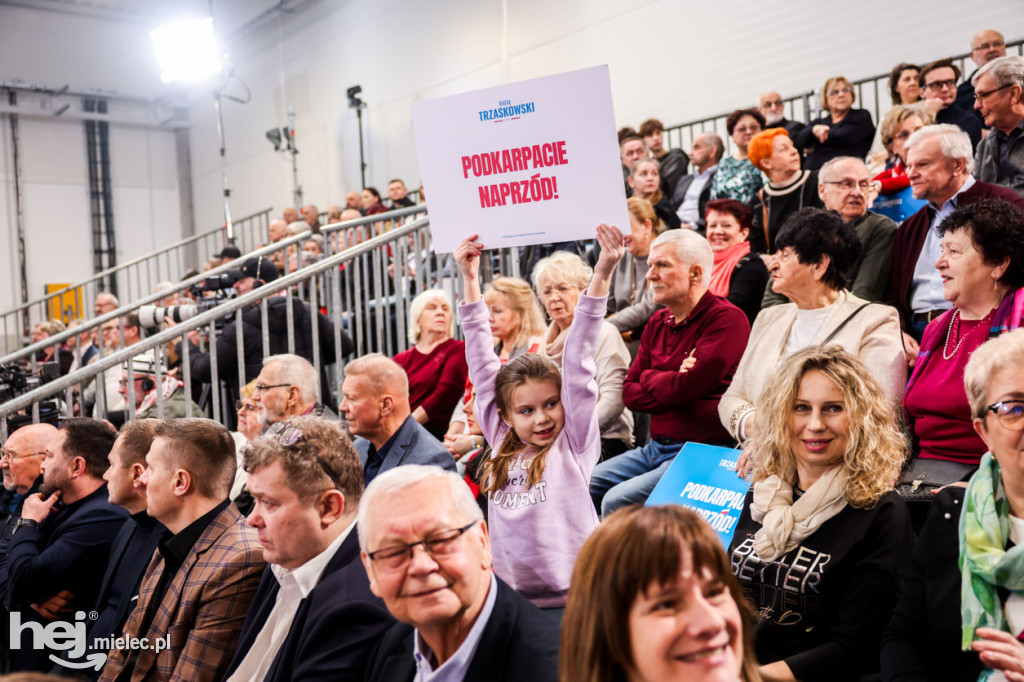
{"points": [[760, 147]]}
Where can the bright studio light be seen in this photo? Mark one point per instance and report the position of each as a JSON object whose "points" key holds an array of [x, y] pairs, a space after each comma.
{"points": [[186, 50]]}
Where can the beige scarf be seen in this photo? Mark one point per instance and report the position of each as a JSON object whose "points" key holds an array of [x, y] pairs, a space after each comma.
{"points": [[784, 523], [554, 343]]}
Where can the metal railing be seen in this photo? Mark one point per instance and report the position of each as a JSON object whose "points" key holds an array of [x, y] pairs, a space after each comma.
{"points": [[380, 222], [135, 278], [364, 289], [872, 95]]}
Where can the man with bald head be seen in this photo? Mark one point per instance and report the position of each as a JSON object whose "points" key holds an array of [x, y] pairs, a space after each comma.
{"points": [[277, 230], [985, 46], [375, 404], [311, 215], [289, 215], [20, 460], [773, 109], [288, 386], [105, 302], [691, 194], [354, 201]]}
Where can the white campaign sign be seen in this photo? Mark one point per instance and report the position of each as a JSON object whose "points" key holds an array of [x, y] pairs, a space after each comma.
{"points": [[533, 162]]}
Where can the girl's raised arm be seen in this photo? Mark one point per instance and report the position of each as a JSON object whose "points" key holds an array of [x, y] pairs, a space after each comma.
{"points": [[612, 248], [467, 256]]}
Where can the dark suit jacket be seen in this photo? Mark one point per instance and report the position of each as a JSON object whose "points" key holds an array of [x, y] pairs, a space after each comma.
{"points": [[68, 551], [519, 642], [910, 236], [412, 444], [922, 640], [203, 609], [334, 628], [702, 201]]}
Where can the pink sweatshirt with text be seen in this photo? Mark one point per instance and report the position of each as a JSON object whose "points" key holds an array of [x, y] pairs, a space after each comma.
{"points": [[537, 532]]}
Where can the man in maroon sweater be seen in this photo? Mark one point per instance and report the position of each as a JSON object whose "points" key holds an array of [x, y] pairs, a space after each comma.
{"points": [[939, 165], [688, 354]]}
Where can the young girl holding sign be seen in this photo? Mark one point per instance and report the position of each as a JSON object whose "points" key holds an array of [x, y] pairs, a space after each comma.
{"points": [[543, 425]]}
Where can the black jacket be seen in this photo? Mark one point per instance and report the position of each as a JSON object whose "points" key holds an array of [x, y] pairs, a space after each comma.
{"points": [[334, 627], [519, 642], [850, 137], [922, 641], [277, 329]]}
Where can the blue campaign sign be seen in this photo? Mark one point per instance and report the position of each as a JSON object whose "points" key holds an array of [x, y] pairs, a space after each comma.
{"points": [[703, 479]]}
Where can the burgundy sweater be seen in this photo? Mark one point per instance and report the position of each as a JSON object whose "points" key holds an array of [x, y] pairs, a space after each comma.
{"points": [[684, 406], [436, 382], [906, 248]]}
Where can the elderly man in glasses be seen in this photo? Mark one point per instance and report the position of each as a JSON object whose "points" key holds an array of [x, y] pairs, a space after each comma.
{"points": [[21, 461], [845, 187], [426, 549], [287, 386], [313, 616], [999, 97], [986, 46]]}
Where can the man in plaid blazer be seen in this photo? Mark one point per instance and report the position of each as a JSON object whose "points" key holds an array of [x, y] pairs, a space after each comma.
{"points": [[200, 582]]}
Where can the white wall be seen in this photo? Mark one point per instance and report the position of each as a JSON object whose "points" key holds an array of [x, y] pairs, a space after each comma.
{"points": [[675, 60], [51, 49]]}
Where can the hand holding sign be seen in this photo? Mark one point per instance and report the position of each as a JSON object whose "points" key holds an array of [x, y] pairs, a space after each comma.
{"points": [[612, 247], [535, 162], [467, 257]]}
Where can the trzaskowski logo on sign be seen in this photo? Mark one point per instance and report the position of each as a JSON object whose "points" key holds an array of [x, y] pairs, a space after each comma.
{"points": [[71, 638]]}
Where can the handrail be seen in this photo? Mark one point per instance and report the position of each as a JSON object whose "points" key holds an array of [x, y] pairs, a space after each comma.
{"points": [[84, 374], [134, 277], [675, 133], [183, 285], [134, 261]]}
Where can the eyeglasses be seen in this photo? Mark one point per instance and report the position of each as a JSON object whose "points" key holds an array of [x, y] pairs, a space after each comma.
{"points": [[7, 456], [839, 91], [288, 435], [1010, 414], [775, 104], [244, 407], [980, 96], [438, 545], [260, 387], [849, 185], [988, 46], [939, 85], [562, 290], [742, 130], [138, 377]]}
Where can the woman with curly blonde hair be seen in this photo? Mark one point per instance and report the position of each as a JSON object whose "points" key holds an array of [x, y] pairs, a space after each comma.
{"points": [[823, 538]]}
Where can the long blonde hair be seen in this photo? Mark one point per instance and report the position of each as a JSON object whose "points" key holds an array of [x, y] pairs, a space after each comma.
{"points": [[512, 375], [521, 300], [875, 445]]}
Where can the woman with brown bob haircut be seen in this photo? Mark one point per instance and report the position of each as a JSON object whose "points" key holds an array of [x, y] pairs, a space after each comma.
{"points": [[653, 598]]}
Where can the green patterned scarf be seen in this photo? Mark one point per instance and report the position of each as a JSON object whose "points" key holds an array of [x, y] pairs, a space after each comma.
{"points": [[985, 563]]}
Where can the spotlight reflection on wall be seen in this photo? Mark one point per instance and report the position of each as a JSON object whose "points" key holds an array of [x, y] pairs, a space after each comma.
{"points": [[186, 50]]}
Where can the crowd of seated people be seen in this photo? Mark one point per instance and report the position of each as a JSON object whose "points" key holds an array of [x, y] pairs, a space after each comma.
{"points": [[474, 510]]}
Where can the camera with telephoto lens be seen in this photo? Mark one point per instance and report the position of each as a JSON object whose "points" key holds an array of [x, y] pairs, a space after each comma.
{"points": [[16, 380], [209, 294]]}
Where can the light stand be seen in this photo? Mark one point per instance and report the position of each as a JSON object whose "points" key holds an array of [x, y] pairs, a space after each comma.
{"points": [[187, 51], [286, 136], [355, 103]]}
